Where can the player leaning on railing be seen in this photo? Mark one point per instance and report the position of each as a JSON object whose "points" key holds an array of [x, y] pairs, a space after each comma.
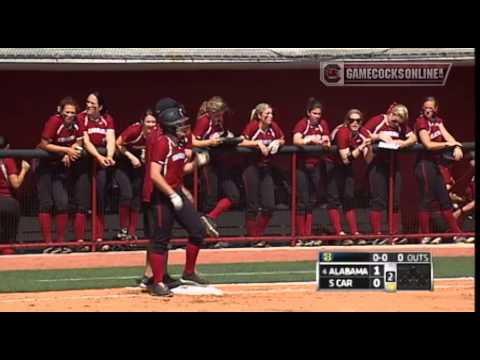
{"points": [[61, 135], [351, 144], [130, 171], [265, 134], [467, 206], [312, 129], [393, 130], [10, 179], [97, 127], [435, 137], [218, 188]]}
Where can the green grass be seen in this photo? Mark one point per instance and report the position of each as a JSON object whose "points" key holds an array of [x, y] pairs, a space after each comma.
{"points": [[54, 280]]}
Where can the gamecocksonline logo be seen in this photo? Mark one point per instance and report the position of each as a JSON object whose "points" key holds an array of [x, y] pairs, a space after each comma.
{"points": [[384, 74]]}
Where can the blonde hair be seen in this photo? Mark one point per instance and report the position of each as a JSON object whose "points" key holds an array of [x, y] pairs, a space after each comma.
{"points": [[259, 109], [214, 105], [401, 111]]}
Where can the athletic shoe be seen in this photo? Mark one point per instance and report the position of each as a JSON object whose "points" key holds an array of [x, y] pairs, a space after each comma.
{"points": [[85, 248], [436, 241], [160, 289], [380, 242], [347, 242], [122, 234], [310, 243], [221, 245], [104, 247], [57, 250], [401, 241], [360, 242], [300, 243], [459, 239], [425, 240], [470, 240], [66, 250], [170, 282], [210, 226], [48, 250], [193, 279], [318, 243], [261, 244], [145, 283]]}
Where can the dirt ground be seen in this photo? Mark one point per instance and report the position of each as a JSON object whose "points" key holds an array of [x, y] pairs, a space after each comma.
{"points": [[455, 295], [448, 296]]}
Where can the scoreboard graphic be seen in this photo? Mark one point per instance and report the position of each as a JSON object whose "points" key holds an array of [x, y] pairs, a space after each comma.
{"points": [[403, 271]]}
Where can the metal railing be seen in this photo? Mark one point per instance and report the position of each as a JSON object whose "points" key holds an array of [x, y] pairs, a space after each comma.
{"points": [[293, 152]]}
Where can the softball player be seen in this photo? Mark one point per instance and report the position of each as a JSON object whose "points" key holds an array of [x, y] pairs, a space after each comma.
{"points": [[390, 128], [61, 135], [262, 133], [469, 202], [130, 172], [310, 130], [351, 145], [97, 127], [169, 163], [10, 179], [209, 131], [435, 137]]}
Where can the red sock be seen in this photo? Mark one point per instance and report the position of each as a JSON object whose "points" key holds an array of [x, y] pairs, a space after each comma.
{"points": [[300, 225], [375, 221], [251, 226], [62, 221], [222, 206], [157, 263], [79, 226], [124, 213], [45, 226], [334, 216], [424, 221], [308, 224], [132, 228], [450, 220], [100, 226], [396, 223], [351, 220], [191, 258], [262, 223]]}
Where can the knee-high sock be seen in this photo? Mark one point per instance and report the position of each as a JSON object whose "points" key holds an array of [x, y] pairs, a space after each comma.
{"points": [[450, 220], [300, 224], [375, 221], [157, 262], [351, 220], [99, 227], [334, 216], [424, 221], [61, 221], [308, 224], [79, 226], [124, 214], [262, 223], [132, 227], [222, 206], [45, 221], [251, 226], [191, 258]]}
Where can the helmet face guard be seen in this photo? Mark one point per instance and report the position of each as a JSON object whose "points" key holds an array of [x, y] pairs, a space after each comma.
{"points": [[179, 128]]}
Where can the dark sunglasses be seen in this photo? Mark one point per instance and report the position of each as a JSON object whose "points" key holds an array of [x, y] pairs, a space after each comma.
{"points": [[351, 120]]}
